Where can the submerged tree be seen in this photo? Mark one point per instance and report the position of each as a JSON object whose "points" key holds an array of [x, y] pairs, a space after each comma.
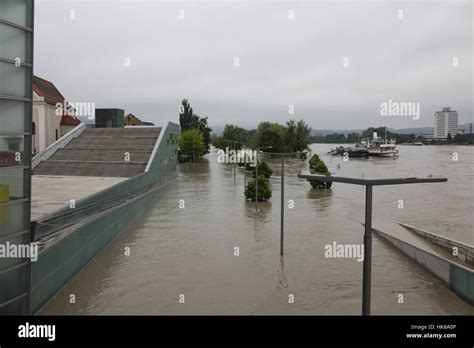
{"points": [[263, 169], [191, 145], [271, 135], [317, 166], [206, 132], [297, 136], [189, 120], [294, 137], [264, 189]]}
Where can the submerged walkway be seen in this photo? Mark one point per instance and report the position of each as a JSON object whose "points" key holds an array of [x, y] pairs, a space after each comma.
{"points": [[405, 235], [185, 244]]}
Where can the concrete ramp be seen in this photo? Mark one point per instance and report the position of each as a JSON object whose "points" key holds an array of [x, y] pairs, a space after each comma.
{"points": [[439, 260], [103, 152], [50, 193]]}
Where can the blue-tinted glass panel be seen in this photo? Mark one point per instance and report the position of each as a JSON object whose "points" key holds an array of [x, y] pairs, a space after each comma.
{"points": [[17, 12], [12, 242], [14, 217], [14, 81], [14, 116], [15, 307], [15, 45], [14, 283], [13, 183]]}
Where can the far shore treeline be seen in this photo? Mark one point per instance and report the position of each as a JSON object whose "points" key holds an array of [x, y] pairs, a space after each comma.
{"points": [[353, 138], [293, 136]]}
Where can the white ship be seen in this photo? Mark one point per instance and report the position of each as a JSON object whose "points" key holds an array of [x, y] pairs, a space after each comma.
{"points": [[380, 148]]}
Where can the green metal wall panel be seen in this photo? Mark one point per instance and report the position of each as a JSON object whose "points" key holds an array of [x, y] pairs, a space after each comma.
{"points": [[461, 282], [105, 228]]}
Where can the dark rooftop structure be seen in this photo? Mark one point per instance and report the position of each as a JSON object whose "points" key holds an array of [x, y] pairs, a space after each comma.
{"points": [[109, 118]]}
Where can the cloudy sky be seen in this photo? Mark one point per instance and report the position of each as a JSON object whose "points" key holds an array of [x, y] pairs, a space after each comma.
{"points": [[84, 47]]}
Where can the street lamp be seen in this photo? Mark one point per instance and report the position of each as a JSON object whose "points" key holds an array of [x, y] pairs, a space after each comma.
{"points": [[369, 183], [282, 155], [233, 142], [256, 175]]}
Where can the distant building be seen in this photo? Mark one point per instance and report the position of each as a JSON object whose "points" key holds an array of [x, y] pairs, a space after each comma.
{"points": [[48, 126], [132, 120], [109, 118], [445, 122]]}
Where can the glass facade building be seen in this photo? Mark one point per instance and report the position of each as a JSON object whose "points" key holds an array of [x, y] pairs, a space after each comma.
{"points": [[16, 72]]}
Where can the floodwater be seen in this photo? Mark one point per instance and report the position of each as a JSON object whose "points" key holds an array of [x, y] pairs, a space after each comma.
{"points": [[190, 251]]}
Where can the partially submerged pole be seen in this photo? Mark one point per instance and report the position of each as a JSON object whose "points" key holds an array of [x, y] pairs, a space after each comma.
{"points": [[282, 218], [235, 162], [256, 184], [367, 268], [369, 183]]}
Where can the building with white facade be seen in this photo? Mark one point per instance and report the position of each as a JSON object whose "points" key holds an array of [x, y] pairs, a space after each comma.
{"points": [[47, 125], [445, 122]]}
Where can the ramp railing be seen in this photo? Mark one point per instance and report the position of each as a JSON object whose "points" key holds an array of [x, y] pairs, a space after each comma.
{"points": [[369, 184]]}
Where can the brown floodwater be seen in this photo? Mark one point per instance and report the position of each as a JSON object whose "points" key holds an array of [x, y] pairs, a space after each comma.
{"points": [[190, 250]]}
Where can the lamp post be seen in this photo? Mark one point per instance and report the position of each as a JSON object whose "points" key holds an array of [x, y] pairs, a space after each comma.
{"points": [[234, 142], [256, 175], [369, 184], [235, 162], [283, 155]]}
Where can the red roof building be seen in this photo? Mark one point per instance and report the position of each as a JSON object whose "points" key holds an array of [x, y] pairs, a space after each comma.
{"points": [[52, 96], [67, 120], [47, 90], [53, 116]]}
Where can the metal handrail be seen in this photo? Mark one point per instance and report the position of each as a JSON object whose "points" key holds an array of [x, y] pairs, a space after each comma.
{"points": [[368, 183]]}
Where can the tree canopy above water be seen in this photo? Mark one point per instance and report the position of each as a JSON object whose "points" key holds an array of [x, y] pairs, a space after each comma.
{"points": [[189, 120], [291, 137], [191, 145]]}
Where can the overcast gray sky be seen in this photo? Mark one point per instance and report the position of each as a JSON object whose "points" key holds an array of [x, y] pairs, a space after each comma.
{"points": [[282, 61]]}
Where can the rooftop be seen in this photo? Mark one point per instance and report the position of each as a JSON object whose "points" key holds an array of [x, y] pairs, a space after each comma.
{"points": [[47, 90], [68, 120]]}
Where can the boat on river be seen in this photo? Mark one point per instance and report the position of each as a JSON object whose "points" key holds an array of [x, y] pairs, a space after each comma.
{"points": [[358, 152], [368, 147], [381, 148]]}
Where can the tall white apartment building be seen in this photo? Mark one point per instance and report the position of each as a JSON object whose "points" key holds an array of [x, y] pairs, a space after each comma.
{"points": [[445, 121]]}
